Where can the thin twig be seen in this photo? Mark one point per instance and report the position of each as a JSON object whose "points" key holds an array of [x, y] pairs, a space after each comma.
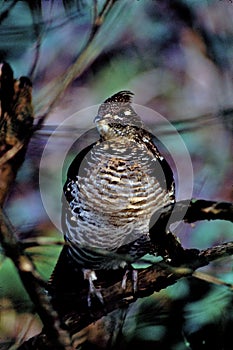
{"points": [[211, 279], [98, 19], [84, 59]]}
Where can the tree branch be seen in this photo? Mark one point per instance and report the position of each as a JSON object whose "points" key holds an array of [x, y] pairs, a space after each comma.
{"points": [[70, 299], [72, 303], [16, 130], [195, 210], [86, 56]]}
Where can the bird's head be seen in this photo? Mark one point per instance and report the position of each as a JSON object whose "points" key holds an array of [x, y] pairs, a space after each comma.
{"points": [[116, 115]]}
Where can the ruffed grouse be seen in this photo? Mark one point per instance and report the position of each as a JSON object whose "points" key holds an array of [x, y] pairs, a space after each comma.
{"points": [[112, 189]]}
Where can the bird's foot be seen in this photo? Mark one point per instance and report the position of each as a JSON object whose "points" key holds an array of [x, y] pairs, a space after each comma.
{"points": [[134, 279], [93, 291]]}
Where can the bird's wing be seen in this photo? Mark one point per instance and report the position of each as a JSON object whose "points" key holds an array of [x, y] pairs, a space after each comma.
{"points": [[161, 168], [167, 170], [73, 170]]}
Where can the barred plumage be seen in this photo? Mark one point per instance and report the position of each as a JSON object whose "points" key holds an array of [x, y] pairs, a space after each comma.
{"points": [[112, 189]]}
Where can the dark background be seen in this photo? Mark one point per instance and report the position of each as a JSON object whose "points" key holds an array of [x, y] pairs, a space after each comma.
{"points": [[176, 56]]}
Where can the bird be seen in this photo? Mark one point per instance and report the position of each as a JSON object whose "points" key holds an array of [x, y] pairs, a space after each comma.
{"points": [[111, 191]]}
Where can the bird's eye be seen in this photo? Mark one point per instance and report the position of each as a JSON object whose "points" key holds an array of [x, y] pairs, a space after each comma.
{"points": [[123, 113]]}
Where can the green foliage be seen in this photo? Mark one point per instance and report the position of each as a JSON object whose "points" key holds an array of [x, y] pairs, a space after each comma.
{"points": [[11, 286], [207, 234], [214, 306], [46, 254]]}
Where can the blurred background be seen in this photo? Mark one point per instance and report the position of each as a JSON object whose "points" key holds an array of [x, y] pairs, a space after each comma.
{"points": [[177, 58]]}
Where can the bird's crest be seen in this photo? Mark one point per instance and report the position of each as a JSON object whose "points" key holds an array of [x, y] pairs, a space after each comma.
{"points": [[124, 96], [114, 103]]}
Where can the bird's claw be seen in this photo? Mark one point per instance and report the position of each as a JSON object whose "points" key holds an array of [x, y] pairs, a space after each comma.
{"points": [[134, 280], [93, 291]]}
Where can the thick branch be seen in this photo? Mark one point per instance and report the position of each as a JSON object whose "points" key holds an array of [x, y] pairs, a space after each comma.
{"points": [[188, 211], [73, 304], [152, 279], [195, 210], [16, 130]]}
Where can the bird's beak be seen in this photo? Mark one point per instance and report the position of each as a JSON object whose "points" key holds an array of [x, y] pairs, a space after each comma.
{"points": [[97, 119]]}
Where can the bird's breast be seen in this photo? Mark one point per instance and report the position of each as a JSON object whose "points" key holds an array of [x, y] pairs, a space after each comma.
{"points": [[118, 180], [114, 194]]}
